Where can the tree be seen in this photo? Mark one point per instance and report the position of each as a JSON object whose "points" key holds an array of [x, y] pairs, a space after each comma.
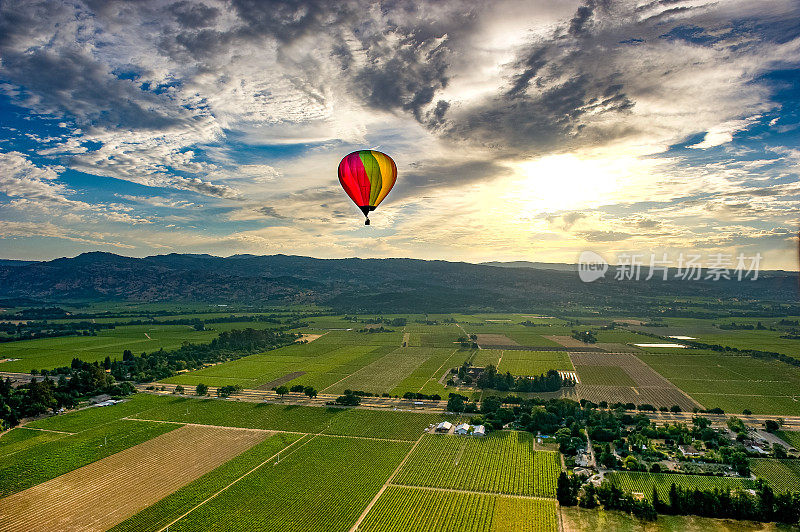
{"points": [[771, 425], [564, 491], [227, 391], [348, 400], [179, 389], [202, 389], [779, 450], [297, 388], [310, 392], [281, 390], [740, 463], [490, 404], [455, 403], [588, 498]]}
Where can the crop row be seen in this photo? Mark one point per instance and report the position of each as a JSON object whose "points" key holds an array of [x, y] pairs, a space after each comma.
{"points": [[406, 509], [644, 483], [504, 462], [322, 484], [36, 464], [169, 508], [781, 475]]}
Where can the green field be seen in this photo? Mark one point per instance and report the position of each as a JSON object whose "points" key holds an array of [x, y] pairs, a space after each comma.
{"points": [[406, 509], [731, 382], [173, 506], [306, 419], [530, 363], [705, 331], [782, 475], [92, 417], [637, 482], [49, 353], [790, 437], [502, 462], [484, 357], [604, 376], [39, 460], [19, 439], [336, 362], [322, 484]]}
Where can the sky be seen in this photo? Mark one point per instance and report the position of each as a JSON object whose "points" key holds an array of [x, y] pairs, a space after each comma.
{"points": [[530, 130]]}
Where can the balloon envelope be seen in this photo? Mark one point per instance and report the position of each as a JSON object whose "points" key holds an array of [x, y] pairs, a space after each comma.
{"points": [[367, 176]]}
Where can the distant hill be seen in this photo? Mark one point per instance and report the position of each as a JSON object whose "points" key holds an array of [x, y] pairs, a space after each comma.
{"points": [[558, 266], [13, 262], [361, 285]]}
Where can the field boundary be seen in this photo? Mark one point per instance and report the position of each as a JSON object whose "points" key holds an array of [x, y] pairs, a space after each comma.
{"points": [[232, 483], [276, 431], [433, 377]]}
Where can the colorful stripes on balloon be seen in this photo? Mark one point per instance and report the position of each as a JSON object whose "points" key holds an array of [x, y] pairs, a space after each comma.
{"points": [[367, 176]]}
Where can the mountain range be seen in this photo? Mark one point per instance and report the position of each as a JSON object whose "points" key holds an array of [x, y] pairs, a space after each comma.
{"points": [[352, 284]]}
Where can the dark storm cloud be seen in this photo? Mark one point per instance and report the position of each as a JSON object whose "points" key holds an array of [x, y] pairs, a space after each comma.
{"points": [[270, 212], [578, 86], [69, 80], [66, 79], [193, 15]]}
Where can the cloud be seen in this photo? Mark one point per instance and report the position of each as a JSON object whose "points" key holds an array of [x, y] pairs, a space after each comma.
{"points": [[518, 127]]}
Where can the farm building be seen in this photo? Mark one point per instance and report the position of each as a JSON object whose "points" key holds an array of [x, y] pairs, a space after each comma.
{"points": [[479, 430], [444, 426], [463, 428], [688, 450]]}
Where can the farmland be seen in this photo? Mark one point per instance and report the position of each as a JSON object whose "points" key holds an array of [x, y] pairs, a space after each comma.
{"points": [[48, 459], [337, 361], [320, 467], [644, 483], [406, 509], [731, 382], [107, 491], [504, 462], [529, 363], [790, 437], [339, 478], [173, 506], [345, 422], [782, 475], [604, 376], [624, 378], [49, 353]]}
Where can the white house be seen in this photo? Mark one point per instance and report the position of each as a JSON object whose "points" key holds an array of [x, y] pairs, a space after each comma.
{"points": [[444, 426], [463, 428], [479, 430]]}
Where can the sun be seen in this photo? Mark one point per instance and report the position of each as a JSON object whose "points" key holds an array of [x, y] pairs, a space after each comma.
{"points": [[566, 181]]}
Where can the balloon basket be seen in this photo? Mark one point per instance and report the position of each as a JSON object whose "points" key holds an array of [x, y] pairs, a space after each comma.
{"points": [[366, 222]]}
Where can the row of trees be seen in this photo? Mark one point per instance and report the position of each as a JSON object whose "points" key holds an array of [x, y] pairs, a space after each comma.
{"points": [[549, 382], [762, 504], [83, 379], [229, 345]]}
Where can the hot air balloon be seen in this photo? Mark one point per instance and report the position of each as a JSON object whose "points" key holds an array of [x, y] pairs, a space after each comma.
{"points": [[367, 176]]}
